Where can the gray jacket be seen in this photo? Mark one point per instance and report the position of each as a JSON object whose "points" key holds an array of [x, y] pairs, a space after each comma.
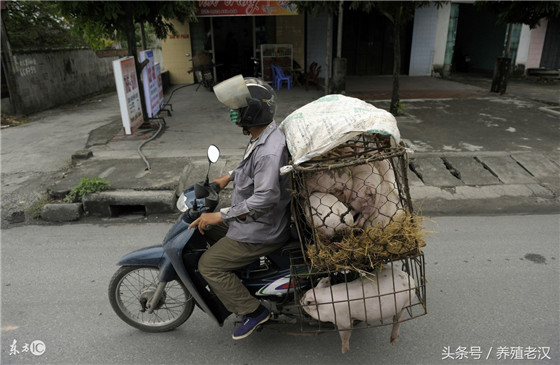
{"points": [[261, 193]]}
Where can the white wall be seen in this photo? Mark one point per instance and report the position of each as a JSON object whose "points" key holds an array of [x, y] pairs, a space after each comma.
{"points": [[423, 40], [523, 47]]}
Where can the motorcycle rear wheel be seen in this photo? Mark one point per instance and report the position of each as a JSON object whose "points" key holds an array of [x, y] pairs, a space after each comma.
{"points": [[131, 287]]}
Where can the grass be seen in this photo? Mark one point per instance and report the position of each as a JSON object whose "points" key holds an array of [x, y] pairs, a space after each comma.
{"points": [[11, 120], [34, 211], [87, 185]]}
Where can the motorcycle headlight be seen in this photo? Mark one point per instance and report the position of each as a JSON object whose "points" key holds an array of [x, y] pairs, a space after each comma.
{"points": [[182, 203]]}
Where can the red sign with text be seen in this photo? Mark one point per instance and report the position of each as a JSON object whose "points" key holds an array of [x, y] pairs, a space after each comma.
{"points": [[244, 8]]}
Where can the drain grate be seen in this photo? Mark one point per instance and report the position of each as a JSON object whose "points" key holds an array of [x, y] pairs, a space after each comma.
{"points": [[451, 169], [123, 210]]}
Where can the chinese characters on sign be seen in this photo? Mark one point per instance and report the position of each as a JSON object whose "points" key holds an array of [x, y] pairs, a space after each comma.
{"points": [[499, 353], [129, 94], [26, 66], [36, 348], [244, 7]]}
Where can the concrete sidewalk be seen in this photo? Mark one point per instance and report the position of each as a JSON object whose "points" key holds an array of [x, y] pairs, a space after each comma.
{"points": [[476, 152]]}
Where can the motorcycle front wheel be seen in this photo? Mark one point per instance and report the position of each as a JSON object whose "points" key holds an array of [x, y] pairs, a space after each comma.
{"points": [[132, 287]]}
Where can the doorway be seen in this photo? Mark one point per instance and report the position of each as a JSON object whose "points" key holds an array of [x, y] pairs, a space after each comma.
{"points": [[368, 44], [233, 46]]}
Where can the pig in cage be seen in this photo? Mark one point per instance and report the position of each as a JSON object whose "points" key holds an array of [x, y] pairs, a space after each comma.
{"points": [[389, 294], [360, 241], [352, 205]]}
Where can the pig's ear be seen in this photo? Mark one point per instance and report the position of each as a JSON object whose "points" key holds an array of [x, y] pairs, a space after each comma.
{"points": [[324, 283]]}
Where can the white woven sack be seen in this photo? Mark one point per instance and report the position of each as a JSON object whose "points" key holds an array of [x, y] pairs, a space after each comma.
{"points": [[324, 124]]}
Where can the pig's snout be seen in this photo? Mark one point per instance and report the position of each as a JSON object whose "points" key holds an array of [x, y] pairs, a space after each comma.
{"points": [[309, 304], [309, 300]]}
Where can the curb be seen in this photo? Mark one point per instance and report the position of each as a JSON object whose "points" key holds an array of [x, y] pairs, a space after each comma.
{"points": [[427, 200], [112, 204], [63, 212], [554, 110]]}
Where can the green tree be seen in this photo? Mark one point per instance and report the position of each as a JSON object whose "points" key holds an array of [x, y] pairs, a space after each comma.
{"points": [[38, 25], [94, 19], [521, 12]]}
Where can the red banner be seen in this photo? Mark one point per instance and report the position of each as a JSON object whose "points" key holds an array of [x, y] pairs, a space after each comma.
{"points": [[244, 8]]}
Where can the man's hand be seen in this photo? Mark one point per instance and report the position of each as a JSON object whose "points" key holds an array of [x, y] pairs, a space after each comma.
{"points": [[223, 181], [206, 220]]}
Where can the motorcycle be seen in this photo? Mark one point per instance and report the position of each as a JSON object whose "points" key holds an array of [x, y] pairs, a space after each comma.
{"points": [[156, 288]]}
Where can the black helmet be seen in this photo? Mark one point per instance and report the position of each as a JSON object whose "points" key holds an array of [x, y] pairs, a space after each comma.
{"points": [[253, 98], [261, 106]]}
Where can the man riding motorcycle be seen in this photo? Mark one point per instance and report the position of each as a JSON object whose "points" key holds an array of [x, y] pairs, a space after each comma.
{"points": [[258, 219]]}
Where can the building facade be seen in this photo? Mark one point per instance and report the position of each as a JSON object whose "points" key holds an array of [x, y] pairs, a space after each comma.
{"points": [[452, 38]]}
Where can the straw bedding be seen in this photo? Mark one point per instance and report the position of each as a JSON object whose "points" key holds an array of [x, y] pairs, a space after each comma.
{"points": [[361, 250]]}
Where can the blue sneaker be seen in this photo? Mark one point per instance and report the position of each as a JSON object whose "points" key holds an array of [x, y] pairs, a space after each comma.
{"points": [[249, 324]]}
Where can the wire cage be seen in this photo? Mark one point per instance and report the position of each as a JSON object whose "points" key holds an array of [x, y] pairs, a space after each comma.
{"points": [[393, 291], [361, 255]]}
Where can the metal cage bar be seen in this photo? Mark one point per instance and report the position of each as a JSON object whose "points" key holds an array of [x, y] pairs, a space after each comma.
{"points": [[305, 282], [382, 169]]}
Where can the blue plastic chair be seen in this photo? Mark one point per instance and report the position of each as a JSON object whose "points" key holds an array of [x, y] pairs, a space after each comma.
{"points": [[279, 77]]}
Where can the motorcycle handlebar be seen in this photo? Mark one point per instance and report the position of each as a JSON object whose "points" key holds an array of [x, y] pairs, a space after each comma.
{"points": [[208, 192], [203, 189]]}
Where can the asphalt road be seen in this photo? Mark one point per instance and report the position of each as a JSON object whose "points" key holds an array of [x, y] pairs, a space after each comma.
{"points": [[492, 295]]}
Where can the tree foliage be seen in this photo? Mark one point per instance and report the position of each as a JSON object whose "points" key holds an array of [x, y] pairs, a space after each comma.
{"points": [[523, 12], [97, 19], [107, 18], [38, 25]]}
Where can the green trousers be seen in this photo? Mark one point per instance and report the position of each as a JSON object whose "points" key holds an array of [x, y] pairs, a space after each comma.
{"points": [[217, 265]]}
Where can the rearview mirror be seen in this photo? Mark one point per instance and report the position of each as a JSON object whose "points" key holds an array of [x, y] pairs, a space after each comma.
{"points": [[213, 154]]}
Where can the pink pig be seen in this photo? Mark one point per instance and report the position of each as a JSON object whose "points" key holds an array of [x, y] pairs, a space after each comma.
{"points": [[336, 182], [386, 294], [328, 214], [387, 202], [374, 194], [365, 180]]}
